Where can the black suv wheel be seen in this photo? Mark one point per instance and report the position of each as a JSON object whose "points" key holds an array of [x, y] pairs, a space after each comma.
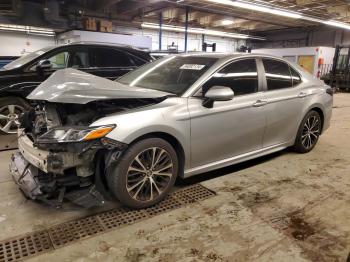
{"points": [[10, 109]]}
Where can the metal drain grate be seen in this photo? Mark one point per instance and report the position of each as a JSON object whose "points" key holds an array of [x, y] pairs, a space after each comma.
{"points": [[68, 232], [167, 204], [115, 218], [25, 246], [35, 243], [196, 193]]}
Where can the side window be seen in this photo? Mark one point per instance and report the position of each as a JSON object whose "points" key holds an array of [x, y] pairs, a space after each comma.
{"points": [[277, 74], [295, 76], [241, 76], [108, 57], [60, 60], [79, 59], [136, 61]]}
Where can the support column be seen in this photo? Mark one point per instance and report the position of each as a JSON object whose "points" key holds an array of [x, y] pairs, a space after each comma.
{"points": [[160, 30], [203, 41], [186, 28]]}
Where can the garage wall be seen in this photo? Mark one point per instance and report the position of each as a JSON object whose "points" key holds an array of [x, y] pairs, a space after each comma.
{"points": [[18, 43], [317, 36], [194, 41]]}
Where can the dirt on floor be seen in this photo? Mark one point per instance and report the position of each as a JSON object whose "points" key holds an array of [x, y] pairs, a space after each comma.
{"points": [[282, 207]]}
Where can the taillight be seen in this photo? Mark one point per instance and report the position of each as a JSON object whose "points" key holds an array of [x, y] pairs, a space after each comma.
{"points": [[329, 91]]}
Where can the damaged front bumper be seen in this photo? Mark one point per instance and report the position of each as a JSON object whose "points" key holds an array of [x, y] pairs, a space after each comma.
{"points": [[54, 176], [25, 176], [47, 161]]}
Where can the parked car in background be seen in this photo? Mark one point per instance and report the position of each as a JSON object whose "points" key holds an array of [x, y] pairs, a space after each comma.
{"points": [[4, 60], [23, 75], [178, 116]]}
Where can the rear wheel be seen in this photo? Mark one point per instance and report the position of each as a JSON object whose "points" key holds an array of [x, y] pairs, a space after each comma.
{"points": [[10, 109], [309, 132], [145, 173]]}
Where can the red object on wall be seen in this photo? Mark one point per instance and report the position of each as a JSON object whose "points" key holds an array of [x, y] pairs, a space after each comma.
{"points": [[320, 62]]}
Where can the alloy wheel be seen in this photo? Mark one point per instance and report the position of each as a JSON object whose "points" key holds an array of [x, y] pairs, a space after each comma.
{"points": [[149, 174], [311, 131], [9, 118]]}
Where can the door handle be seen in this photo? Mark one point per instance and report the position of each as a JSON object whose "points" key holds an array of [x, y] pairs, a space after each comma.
{"points": [[259, 103], [302, 94]]}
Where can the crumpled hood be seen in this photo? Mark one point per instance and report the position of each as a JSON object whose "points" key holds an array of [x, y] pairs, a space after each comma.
{"points": [[74, 86]]}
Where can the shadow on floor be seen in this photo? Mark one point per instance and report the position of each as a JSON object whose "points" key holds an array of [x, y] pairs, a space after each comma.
{"points": [[230, 169]]}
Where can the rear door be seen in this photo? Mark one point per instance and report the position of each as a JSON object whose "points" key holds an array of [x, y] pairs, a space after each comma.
{"points": [[284, 99], [110, 62]]}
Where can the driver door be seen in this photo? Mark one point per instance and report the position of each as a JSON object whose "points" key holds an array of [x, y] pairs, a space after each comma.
{"points": [[229, 128]]}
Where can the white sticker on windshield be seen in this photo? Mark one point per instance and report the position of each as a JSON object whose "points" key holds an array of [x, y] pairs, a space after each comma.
{"points": [[192, 67]]}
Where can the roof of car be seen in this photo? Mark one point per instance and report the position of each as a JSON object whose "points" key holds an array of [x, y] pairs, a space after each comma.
{"points": [[104, 44], [225, 55]]}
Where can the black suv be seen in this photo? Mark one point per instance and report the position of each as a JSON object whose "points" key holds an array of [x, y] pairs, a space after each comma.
{"points": [[23, 75]]}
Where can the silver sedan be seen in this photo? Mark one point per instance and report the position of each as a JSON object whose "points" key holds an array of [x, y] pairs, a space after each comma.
{"points": [[176, 117]]}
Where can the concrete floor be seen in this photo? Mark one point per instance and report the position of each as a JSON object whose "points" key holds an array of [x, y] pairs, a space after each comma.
{"points": [[283, 207]]}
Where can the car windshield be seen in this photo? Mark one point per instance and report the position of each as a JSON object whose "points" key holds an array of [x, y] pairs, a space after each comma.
{"points": [[174, 74], [26, 58]]}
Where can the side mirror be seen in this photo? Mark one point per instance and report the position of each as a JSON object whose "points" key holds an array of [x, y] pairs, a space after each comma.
{"points": [[44, 65], [217, 93]]}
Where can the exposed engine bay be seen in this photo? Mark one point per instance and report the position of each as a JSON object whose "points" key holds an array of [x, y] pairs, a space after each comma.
{"points": [[62, 157], [50, 115]]}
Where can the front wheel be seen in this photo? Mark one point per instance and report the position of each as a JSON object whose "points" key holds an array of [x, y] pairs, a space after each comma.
{"points": [[10, 109], [309, 132], [145, 173]]}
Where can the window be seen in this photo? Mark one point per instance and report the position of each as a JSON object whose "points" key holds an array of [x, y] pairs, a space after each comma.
{"points": [[108, 57], [295, 76], [277, 74], [136, 61], [241, 76], [172, 74], [80, 59], [60, 60]]}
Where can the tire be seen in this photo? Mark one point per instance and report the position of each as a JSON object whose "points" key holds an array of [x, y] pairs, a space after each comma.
{"points": [[10, 109], [309, 132], [130, 180]]}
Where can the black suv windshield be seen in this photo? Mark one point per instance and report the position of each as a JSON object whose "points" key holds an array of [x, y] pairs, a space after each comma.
{"points": [[26, 58], [174, 74]]}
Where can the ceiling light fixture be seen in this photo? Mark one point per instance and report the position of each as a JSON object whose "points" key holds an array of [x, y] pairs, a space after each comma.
{"points": [[337, 24], [200, 31], [279, 12], [28, 29], [226, 22], [258, 8]]}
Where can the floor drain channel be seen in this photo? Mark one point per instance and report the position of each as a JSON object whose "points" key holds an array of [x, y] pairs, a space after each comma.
{"points": [[35, 243]]}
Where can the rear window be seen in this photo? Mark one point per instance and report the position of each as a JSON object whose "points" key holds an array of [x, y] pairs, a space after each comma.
{"points": [[296, 80], [109, 57], [277, 74]]}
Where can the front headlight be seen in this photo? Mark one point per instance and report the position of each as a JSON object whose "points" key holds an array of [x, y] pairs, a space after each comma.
{"points": [[76, 134]]}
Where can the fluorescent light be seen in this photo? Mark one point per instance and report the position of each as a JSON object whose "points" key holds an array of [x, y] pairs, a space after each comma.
{"points": [[200, 31], [258, 8], [226, 22], [279, 12], [28, 29], [337, 24]]}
